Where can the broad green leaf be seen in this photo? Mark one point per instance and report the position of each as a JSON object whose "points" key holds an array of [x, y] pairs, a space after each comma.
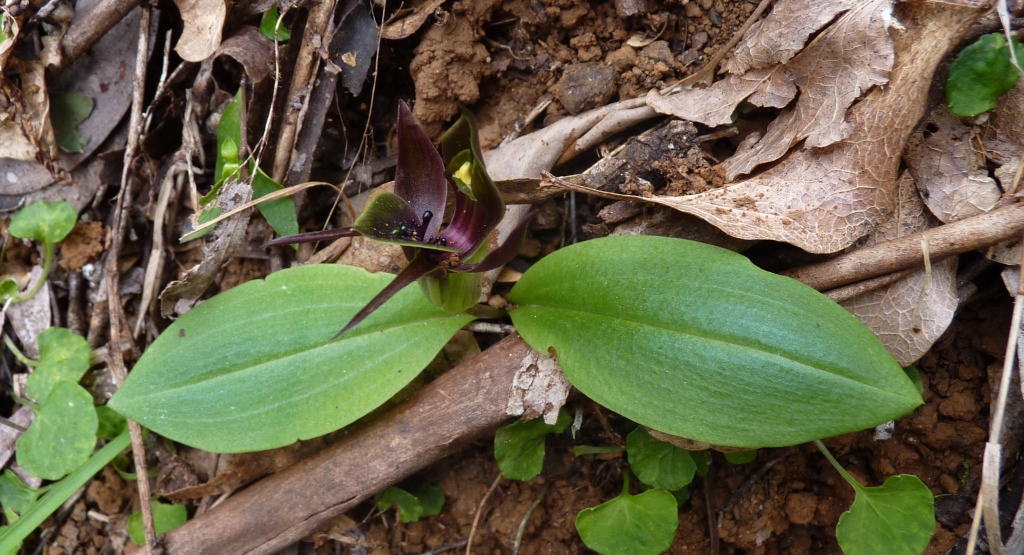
{"points": [[62, 434], [280, 213], [47, 222], [111, 424], [166, 517], [896, 518], [631, 524], [981, 74], [8, 289], [67, 110], [12, 536], [695, 341], [657, 463], [63, 357], [257, 367], [741, 457], [519, 446], [15, 496], [269, 26]]}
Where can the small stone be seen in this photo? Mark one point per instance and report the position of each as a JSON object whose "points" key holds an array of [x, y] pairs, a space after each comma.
{"points": [[693, 10], [585, 86], [658, 51]]}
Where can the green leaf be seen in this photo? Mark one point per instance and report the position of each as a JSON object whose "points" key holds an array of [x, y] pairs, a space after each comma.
{"points": [[67, 110], [63, 357], [915, 377], [257, 367], [12, 536], [62, 435], [695, 341], [229, 128], [682, 495], [166, 517], [280, 213], [700, 458], [111, 424], [15, 496], [427, 502], [519, 446], [896, 518], [268, 26], [47, 222], [657, 463], [8, 289], [741, 457], [981, 74], [631, 524]]}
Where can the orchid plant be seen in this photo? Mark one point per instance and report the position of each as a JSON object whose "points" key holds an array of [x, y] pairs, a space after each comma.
{"points": [[446, 262]]}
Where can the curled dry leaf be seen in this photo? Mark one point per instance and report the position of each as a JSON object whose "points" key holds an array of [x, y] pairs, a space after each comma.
{"points": [[910, 314], [949, 171], [824, 199], [251, 49], [204, 22], [181, 295]]}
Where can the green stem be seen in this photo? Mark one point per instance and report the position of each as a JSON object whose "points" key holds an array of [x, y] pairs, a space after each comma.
{"points": [[11, 424], [839, 468], [625, 483], [47, 264], [18, 354]]}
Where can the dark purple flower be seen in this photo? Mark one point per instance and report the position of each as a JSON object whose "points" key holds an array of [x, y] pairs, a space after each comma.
{"points": [[412, 217]]}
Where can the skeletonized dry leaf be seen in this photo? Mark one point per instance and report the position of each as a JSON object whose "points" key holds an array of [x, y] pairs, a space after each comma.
{"points": [[949, 171], [824, 199], [1004, 144], [911, 313], [204, 22], [782, 33], [181, 295]]}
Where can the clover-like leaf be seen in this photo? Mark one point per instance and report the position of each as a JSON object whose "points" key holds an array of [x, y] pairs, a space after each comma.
{"points": [[981, 74], [722, 352], [657, 463], [263, 352], [62, 434], [47, 222], [166, 517], [427, 501], [111, 423], [896, 518], [63, 357], [519, 446], [642, 524]]}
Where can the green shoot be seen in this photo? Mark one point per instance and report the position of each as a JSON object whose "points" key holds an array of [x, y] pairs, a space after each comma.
{"points": [[519, 446], [48, 223]]}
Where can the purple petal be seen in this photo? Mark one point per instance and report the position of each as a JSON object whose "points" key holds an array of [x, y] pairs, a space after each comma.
{"points": [[313, 236], [388, 218], [501, 255], [417, 268], [419, 176]]}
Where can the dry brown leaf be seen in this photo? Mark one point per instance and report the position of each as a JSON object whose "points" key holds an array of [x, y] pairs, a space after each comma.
{"points": [[950, 173], [25, 130], [406, 22], [822, 200], [9, 30], [204, 22], [911, 313], [782, 33], [181, 295], [714, 106], [1004, 134], [251, 49]]}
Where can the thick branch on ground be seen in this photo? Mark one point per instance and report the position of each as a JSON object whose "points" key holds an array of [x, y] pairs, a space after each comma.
{"points": [[892, 256], [466, 403]]}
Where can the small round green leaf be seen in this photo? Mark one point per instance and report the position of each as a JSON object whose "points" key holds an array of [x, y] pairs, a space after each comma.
{"points": [[410, 508], [519, 446], [981, 74], [15, 496], [8, 289], [896, 518], [631, 524], [166, 517], [657, 463], [47, 222], [257, 367], [63, 357], [62, 435], [431, 499], [695, 341], [111, 424]]}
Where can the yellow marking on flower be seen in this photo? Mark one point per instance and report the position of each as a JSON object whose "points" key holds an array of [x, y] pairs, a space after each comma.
{"points": [[463, 174]]}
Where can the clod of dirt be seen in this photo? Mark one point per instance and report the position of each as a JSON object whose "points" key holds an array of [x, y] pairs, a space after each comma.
{"points": [[82, 246], [585, 86]]}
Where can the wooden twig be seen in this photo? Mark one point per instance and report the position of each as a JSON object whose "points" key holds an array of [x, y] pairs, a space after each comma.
{"points": [[83, 34], [116, 311], [466, 403], [899, 254]]}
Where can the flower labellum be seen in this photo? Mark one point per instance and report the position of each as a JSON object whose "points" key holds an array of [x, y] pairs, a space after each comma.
{"points": [[446, 262]]}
